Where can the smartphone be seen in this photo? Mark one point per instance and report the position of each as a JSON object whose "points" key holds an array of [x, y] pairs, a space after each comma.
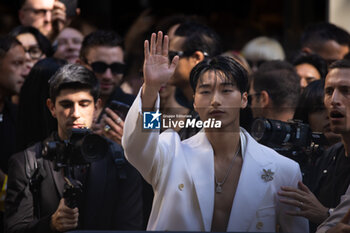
{"points": [[71, 6], [119, 108]]}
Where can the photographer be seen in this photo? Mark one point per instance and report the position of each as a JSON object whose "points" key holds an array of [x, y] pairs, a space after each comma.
{"points": [[34, 201], [274, 90]]}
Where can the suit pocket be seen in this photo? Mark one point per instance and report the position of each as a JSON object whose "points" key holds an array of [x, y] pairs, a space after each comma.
{"points": [[265, 220], [266, 211]]}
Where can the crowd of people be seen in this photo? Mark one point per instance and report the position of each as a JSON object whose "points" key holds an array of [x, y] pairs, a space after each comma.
{"points": [[76, 152]]}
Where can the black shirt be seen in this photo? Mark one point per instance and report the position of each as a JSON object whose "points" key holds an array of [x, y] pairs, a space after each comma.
{"points": [[334, 176], [7, 134]]}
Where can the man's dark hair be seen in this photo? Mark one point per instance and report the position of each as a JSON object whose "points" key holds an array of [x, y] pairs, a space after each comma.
{"points": [[311, 101], [226, 67], [282, 85], [199, 37], [313, 59], [315, 35], [271, 65], [6, 43], [344, 63], [44, 43], [106, 38], [73, 76]]}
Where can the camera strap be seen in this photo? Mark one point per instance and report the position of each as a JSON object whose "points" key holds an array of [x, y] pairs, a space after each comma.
{"points": [[35, 173], [119, 159]]}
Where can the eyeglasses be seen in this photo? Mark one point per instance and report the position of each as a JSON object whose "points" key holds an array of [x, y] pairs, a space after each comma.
{"points": [[100, 67], [34, 52], [172, 54], [38, 12]]}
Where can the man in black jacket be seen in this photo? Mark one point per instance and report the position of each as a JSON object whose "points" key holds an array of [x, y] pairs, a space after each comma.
{"points": [[111, 192]]}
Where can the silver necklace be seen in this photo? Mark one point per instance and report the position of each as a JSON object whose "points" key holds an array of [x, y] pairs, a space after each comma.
{"points": [[219, 185]]}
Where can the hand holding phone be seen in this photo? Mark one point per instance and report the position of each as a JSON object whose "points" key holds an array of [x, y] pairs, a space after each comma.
{"points": [[121, 109]]}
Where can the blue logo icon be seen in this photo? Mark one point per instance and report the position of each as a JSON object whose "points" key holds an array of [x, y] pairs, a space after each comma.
{"points": [[151, 120]]}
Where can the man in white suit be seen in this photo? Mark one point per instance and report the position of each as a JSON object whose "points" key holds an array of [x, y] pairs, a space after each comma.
{"points": [[219, 179]]}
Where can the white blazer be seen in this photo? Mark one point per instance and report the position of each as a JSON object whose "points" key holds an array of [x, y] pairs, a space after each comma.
{"points": [[182, 176]]}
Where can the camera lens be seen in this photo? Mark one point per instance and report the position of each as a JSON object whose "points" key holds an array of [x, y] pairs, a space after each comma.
{"points": [[94, 148], [259, 128], [271, 132]]}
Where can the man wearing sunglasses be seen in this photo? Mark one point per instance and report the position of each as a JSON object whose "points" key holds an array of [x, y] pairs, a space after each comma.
{"points": [[49, 16], [102, 52]]}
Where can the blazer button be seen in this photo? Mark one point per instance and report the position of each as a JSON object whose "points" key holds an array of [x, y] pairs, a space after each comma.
{"points": [[259, 225], [181, 186]]}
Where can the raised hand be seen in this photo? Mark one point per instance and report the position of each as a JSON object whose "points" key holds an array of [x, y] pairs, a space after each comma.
{"points": [[156, 67]]}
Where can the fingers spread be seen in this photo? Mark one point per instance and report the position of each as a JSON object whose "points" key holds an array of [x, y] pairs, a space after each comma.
{"points": [[146, 48], [165, 46], [159, 42], [174, 62], [153, 44]]}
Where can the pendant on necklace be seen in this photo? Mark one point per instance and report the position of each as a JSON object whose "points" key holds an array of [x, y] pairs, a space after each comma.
{"points": [[218, 188]]}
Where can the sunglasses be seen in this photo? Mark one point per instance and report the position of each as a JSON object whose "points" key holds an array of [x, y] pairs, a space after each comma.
{"points": [[100, 67], [172, 54]]}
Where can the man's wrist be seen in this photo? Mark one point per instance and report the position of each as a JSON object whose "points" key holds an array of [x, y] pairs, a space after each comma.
{"points": [[149, 96]]}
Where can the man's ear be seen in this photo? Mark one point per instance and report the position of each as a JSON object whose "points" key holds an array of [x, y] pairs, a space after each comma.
{"points": [[194, 102], [98, 104], [198, 56], [264, 99], [306, 50], [77, 11], [51, 107], [244, 100]]}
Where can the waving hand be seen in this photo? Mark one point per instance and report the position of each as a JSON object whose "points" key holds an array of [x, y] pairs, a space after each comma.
{"points": [[156, 67]]}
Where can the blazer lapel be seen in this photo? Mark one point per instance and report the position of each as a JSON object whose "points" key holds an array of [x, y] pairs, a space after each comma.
{"points": [[251, 187], [201, 163]]}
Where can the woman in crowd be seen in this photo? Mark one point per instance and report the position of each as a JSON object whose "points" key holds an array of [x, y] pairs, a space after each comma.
{"points": [[35, 121]]}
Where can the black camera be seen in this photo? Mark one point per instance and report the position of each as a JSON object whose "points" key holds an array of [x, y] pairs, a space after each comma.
{"points": [[292, 139], [82, 148]]}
